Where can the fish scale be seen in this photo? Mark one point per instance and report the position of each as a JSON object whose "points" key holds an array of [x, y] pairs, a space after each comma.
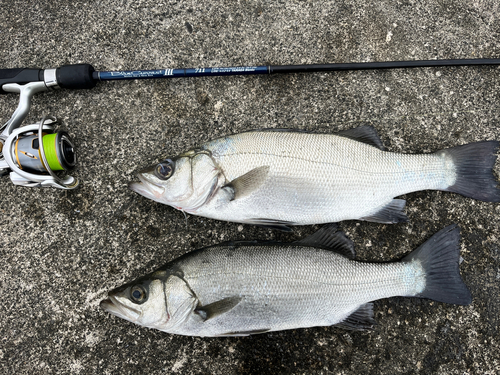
{"points": [[299, 285], [318, 181]]}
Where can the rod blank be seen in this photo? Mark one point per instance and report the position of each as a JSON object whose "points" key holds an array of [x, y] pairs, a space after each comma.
{"points": [[284, 69]]}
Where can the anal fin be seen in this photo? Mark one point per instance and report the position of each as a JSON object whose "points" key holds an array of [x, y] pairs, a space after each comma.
{"points": [[389, 214], [359, 320]]}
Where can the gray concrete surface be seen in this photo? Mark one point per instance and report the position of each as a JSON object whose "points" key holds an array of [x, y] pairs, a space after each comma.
{"points": [[62, 251]]}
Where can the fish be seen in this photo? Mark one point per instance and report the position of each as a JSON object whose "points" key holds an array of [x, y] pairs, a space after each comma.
{"points": [[280, 178], [244, 288]]}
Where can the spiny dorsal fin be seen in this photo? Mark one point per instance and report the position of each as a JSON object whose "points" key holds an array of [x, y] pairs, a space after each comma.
{"points": [[280, 130], [217, 308], [359, 320], [327, 237], [366, 134], [249, 182]]}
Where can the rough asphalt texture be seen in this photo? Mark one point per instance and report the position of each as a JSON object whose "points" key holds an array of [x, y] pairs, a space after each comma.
{"points": [[63, 250]]}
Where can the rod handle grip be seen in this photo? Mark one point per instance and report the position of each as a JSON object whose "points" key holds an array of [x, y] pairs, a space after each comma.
{"points": [[77, 76]]}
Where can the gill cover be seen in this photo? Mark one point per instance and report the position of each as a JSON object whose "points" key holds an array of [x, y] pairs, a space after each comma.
{"points": [[185, 182], [181, 302]]}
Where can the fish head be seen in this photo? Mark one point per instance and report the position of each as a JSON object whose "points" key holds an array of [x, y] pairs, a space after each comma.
{"points": [[160, 300], [141, 302], [184, 182]]}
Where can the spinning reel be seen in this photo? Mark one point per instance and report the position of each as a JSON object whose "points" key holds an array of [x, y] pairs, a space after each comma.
{"points": [[33, 153], [38, 155]]}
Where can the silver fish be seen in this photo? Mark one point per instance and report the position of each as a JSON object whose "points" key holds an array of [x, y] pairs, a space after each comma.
{"points": [[281, 178], [238, 289]]}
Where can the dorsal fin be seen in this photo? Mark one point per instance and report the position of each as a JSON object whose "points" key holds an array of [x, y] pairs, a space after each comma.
{"points": [[366, 134], [280, 130], [328, 237]]}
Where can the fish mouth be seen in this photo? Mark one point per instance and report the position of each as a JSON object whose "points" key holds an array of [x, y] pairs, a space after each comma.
{"points": [[114, 307], [146, 188]]}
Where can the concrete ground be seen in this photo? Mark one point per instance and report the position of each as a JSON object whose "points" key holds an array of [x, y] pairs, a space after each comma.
{"points": [[63, 250]]}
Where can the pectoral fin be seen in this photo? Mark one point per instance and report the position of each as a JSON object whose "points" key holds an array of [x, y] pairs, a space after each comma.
{"points": [[217, 308], [248, 183]]}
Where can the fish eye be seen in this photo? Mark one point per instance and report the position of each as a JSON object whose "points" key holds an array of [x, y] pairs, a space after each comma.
{"points": [[138, 294], [165, 169]]}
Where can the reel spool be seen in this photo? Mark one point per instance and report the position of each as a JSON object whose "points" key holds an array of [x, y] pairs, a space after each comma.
{"points": [[58, 147]]}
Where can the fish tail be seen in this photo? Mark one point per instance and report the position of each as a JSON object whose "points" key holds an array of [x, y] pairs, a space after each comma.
{"points": [[474, 170], [439, 258]]}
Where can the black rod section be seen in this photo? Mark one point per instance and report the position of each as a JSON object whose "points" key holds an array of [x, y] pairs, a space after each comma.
{"points": [[379, 65]]}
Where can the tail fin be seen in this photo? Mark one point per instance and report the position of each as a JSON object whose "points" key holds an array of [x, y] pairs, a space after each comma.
{"points": [[439, 257], [474, 168]]}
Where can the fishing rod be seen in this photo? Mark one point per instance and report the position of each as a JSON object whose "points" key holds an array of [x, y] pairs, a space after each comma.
{"points": [[283, 69], [37, 155]]}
